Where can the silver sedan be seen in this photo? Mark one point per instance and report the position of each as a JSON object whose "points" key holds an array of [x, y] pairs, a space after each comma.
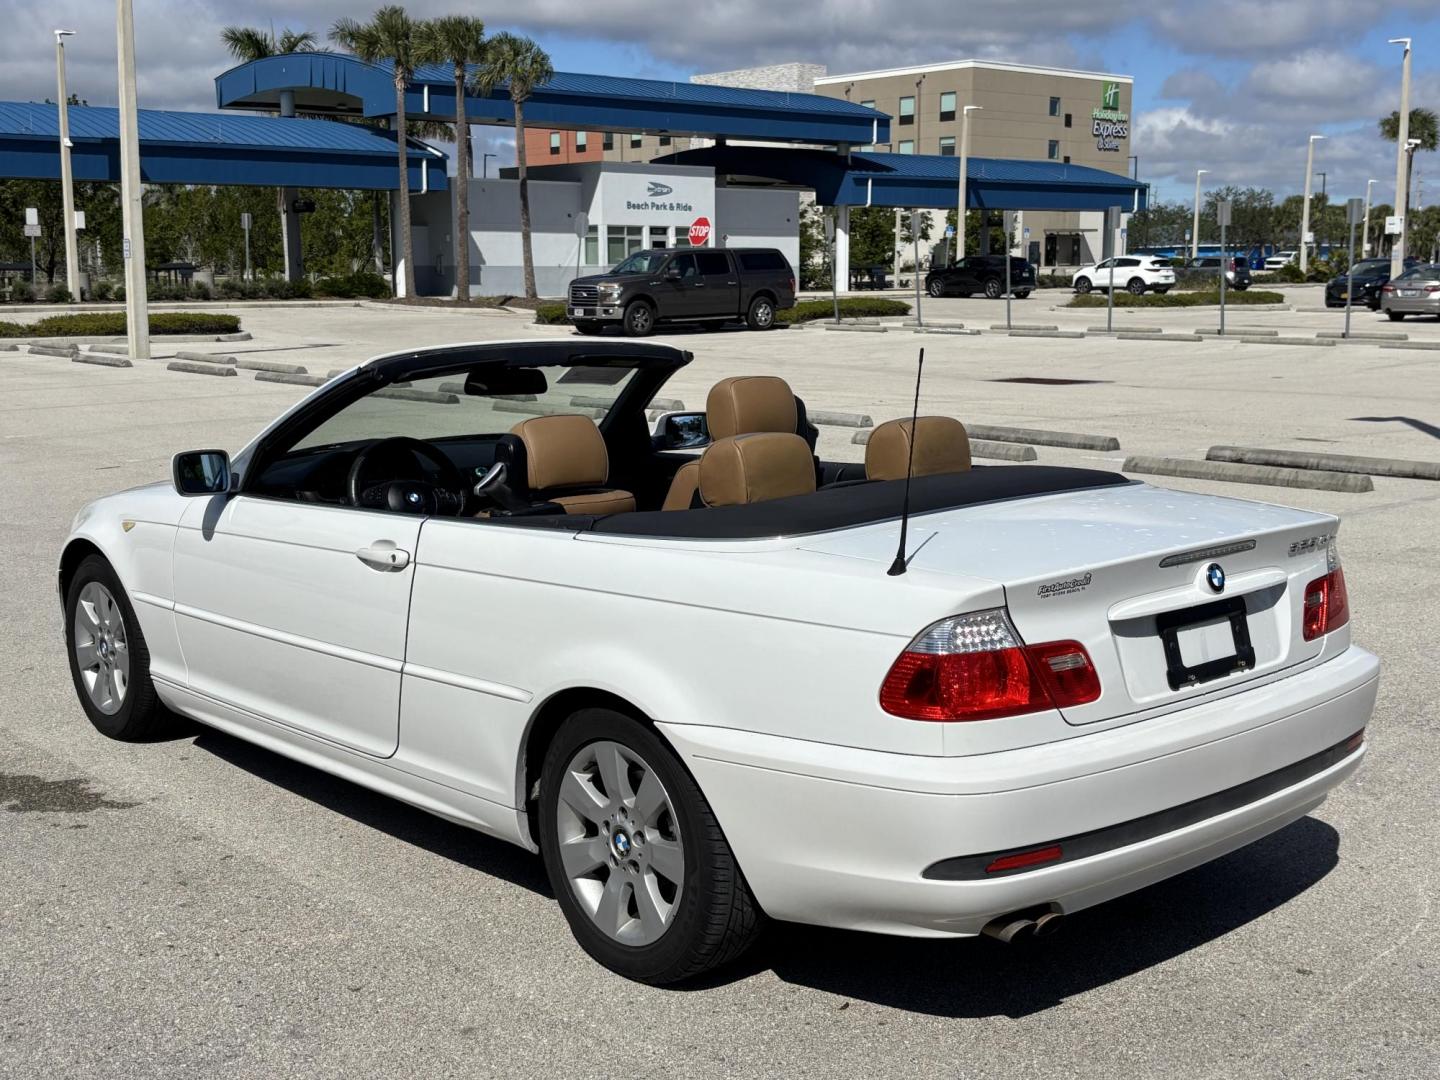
{"points": [[1415, 292]]}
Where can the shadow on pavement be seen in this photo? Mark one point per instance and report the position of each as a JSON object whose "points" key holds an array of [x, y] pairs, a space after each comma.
{"points": [[389, 816], [1419, 425]]}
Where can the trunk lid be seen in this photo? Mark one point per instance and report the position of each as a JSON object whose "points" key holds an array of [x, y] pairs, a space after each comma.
{"points": [[1126, 572]]}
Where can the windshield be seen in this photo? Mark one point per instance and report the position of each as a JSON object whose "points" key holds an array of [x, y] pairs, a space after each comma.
{"points": [[642, 262], [1427, 272], [1373, 268]]}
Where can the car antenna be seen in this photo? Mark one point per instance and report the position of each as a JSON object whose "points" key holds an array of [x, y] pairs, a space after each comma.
{"points": [[898, 566]]}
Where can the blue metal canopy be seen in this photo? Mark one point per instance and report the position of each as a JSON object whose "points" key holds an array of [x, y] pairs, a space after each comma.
{"points": [[212, 148], [919, 181], [339, 83]]}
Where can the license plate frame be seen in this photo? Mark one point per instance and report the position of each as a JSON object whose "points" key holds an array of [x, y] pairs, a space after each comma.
{"points": [[1409, 293], [1169, 625]]}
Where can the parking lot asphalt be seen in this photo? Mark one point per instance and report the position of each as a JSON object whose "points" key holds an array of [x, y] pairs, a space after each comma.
{"points": [[200, 907]]}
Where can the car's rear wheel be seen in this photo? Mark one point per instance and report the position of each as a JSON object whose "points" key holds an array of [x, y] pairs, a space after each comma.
{"points": [[109, 663], [639, 319], [1136, 286], [761, 315], [994, 289], [1022, 294], [1162, 289], [588, 326], [637, 860], [1396, 316], [1083, 285], [935, 287]]}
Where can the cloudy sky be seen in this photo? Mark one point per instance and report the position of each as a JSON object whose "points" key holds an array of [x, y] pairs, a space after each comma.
{"points": [[1234, 86]]}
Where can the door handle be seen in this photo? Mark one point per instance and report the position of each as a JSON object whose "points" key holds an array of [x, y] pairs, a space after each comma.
{"points": [[384, 555]]}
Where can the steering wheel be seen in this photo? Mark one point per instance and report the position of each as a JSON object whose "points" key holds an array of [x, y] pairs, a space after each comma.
{"points": [[406, 494]]}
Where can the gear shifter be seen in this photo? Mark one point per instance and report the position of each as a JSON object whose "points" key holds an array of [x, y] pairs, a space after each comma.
{"points": [[494, 476]]}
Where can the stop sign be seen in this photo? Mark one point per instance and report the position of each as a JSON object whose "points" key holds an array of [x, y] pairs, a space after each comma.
{"points": [[699, 232]]}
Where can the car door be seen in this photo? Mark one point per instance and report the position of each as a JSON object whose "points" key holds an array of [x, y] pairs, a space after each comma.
{"points": [[683, 287], [722, 283], [296, 612]]}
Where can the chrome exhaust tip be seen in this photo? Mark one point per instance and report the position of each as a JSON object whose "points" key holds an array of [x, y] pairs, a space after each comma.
{"points": [[1009, 929]]}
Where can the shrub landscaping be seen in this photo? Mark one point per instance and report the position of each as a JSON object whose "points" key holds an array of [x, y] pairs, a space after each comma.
{"points": [[1178, 299], [112, 324], [851, 307], [551, 314]]}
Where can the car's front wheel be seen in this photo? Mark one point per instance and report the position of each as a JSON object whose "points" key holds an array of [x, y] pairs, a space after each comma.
{"points": [[1396, 316], [935, 287], [639, 319], [1136, 286], [1022, 294], [109, 662], [637, 860], [588, 326], [1083, 285], [761, 315]]}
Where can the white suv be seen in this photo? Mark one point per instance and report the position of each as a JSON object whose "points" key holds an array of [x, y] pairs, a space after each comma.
{"points": [[1134, 273]]}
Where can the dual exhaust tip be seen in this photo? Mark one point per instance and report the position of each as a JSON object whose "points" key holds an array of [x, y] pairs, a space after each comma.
{"points": [[1019, 927]]}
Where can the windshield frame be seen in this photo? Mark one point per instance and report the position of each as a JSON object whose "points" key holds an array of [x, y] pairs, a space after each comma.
{"points": [[638, 257]]}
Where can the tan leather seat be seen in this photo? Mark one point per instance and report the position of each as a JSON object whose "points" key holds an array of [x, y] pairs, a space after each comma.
{"points": [[739, 405], [941, 446], [755, 468], [566, 462]]}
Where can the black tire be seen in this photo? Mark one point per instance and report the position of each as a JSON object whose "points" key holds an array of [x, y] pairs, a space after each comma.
{"points": [[1161, 290], [716, 918], [639, 319], [1136, 286], [994, 289], [1083, 285], [761, 315], [588, 326], [1396, 316], [935, 287], [140, 716], [1022, 294], [1241, 288]]}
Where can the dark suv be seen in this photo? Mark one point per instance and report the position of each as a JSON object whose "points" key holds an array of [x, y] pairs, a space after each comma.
{"points": [[1370, 277], [677, 285], [1237, 271], [981, 274]]}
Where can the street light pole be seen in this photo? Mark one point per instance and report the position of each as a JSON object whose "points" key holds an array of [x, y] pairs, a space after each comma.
{"points": [[1305, 213], [485, 165], [1365, 237], [67, 180], [964, 168], [1402, 136], [1195, 225], [137, 310]]}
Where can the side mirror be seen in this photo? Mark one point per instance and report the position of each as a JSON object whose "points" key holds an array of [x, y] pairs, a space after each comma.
{"points": [[201, 472], [672, 274], [682, 431]]}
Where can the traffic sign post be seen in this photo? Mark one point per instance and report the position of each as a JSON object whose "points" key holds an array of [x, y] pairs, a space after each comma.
{"points": [[915, 238], [1222, 218], [1354, 213], [1112, 225], [1008, 218], [829, 216], [245, 220]]}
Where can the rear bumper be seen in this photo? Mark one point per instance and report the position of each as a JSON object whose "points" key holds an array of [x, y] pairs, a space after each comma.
{"points": [[843, 837], [1412, 305]]}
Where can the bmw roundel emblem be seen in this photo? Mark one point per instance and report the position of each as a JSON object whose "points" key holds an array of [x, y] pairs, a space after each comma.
{"points": [[1215, 577], [414, 500]]}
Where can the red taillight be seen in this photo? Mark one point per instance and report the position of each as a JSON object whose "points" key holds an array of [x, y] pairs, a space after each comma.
{"points": [[974, 667], [1387, 287], [1025, 858], [792, 284], [1432, 288], [1327, 605]]}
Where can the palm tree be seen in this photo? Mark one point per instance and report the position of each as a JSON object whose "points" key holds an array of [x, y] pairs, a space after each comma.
{"points": [[1424, 125], [246, 43], [389, 35], [457, 40], [521, 65]]}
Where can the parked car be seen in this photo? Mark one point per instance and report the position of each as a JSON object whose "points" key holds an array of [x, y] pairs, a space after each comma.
{"points": [[1134, 273], [1415, 292], [1237, 271], [982, 274], [680, 285], [1370, 276], [689, 682], [1281, 258]]}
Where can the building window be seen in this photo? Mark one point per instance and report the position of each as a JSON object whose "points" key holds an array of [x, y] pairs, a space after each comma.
{"points": [[907, 146], [947, 146], [947, 105], [582, 141], [659, 236], [608, 142], [682, 236], [1054, 154], [1067, 119], [1054, 106], [635, 141], [664, 140], [907, 110], [592, 246], [870, 104], [1067, 159], [622, 241], [554, 144]]}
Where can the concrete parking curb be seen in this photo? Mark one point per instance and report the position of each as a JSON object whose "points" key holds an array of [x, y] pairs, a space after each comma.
{"points": [[1430, 345], [297, 378], [854, 327], [954, 331], [1267, 475], [205, 357], [1349, 463], [194, 368], [66, 351], [1125, 330], [1068, 440], [120, 350], [1047, 333], [1131, 335], [9, 348], [942, 325], [1362, 335], [103, 360], [243, 335], [542, 408], [839, 419], [1255, 339], [1023, 326], [402, 394], [271, 366], [983, 448], [1236, 331]]}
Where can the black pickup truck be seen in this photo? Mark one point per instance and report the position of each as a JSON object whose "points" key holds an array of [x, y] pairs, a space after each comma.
{"points": [[678, 285]]}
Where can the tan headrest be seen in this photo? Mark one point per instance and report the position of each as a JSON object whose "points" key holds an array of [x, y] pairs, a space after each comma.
{"points": [[563, 451], [749, 403], [753, 468], [941, 447]]}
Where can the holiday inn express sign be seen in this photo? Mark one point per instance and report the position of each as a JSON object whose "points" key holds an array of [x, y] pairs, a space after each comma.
{"points": [[1107, 123]]}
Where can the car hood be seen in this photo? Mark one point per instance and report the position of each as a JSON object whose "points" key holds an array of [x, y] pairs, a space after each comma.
{"points": [[616, 279]]}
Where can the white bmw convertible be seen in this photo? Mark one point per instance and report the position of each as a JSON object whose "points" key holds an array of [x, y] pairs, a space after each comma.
{"points": [[688, 668]]}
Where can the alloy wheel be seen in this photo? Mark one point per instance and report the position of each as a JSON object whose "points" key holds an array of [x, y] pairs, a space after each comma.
{"points": [[102, 648]]}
